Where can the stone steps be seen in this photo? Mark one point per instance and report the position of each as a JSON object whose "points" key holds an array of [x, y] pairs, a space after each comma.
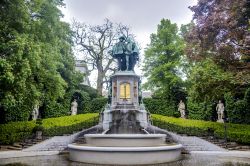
{"points": [[190, 143], [227, 145]]}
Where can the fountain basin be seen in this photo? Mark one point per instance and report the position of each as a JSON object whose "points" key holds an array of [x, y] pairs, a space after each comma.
{"points": [[125, 140], [125, 155]]}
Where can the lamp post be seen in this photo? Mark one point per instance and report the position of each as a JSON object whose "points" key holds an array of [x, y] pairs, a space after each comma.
{"points": [[225, 130]]}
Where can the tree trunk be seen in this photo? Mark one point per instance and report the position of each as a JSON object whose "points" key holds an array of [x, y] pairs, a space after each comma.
{"points": [[100, 77]]}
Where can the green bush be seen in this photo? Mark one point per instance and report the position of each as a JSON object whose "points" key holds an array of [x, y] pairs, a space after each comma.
{"points": [[238, 111], [54, 109], [68, 124], [17, 131], [93, 93], [199, 111], [98, 104], [159, 106], [235, 132]]}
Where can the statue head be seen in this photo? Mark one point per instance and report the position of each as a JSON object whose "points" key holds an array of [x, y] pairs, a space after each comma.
{"points": [[129, 40], [122, 38]]}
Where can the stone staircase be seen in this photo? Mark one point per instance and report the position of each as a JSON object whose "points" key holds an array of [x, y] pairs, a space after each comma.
{"points": [[227, 145], [22, 145], [190, 143], [59, 143], [56, 143]]}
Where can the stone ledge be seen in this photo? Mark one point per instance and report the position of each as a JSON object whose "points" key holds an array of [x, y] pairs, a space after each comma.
{"points": [[11, 154], [241, 154]]}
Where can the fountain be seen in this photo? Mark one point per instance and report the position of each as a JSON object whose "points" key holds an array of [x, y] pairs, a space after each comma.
{"points": [[125, 139]]}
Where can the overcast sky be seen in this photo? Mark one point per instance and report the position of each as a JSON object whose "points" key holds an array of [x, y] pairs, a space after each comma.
{"points": [[142, 16]]}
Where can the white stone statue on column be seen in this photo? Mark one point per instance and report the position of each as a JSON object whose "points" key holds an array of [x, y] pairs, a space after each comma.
{"points": [[181, 109], [220, 111], [74, 107], [35, 112]]}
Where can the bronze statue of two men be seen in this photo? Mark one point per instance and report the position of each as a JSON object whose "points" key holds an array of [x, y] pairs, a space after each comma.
{"points": [[126, 52]]}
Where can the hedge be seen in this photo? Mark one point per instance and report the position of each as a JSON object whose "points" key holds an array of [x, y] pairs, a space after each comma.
{"points": [[18, 131], [160, 106], [98, 104], [235, 132]]}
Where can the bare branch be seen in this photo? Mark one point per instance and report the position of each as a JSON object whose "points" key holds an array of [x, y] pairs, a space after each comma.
{"points": [[95, 42]]}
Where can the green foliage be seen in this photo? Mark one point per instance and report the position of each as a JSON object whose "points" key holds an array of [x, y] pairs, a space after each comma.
{"points": [[238, 111], [54, 109], [218, 67], [68, 124], [36, 60], [91, 91], [208, 82], [235, 132], [98, 104], [83, 101], [17, 131], [162, 62], [247, 98], [161, 107], [199, 111]]}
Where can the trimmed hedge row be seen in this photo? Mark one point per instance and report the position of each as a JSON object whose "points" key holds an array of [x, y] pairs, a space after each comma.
{"points": [[160, 106], [17, 131], [235, 132]]}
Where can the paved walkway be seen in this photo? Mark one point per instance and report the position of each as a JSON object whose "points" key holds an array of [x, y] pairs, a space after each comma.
{"points": [[20, 153], [55, 145], [52, 146], [233, 153]]}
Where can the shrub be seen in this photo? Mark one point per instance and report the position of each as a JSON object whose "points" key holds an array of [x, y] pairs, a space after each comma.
{"points": [[17, 131], [238, 111], [93, 93], [159, 106], [54, 109], [199, 111], [235, 132], [68, 124], [98, 104]]}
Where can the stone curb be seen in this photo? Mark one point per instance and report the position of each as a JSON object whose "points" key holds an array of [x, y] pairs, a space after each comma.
{"points": [[241, 154], [11, 154]]}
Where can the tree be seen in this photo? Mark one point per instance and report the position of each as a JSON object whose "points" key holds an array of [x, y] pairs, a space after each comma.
{"points": [[221, 32], [95, 42], [36, 60], [162, 62], [208, 82]]}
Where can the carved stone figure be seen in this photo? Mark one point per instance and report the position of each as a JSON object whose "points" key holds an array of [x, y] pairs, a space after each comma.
{"points": [[126, 52], [118, 52], [131, 54], [181, 108], [35, 112], [74, 107], [220, 111]]}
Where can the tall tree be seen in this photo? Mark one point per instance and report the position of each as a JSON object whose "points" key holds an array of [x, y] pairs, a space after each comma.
{"points": [[162, 60], [36, 60], [94, 42], [221, 32]]}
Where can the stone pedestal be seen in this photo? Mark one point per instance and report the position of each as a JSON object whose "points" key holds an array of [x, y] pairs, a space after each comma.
{"points": [[220, 120], [125, 114], [125, 89]]}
